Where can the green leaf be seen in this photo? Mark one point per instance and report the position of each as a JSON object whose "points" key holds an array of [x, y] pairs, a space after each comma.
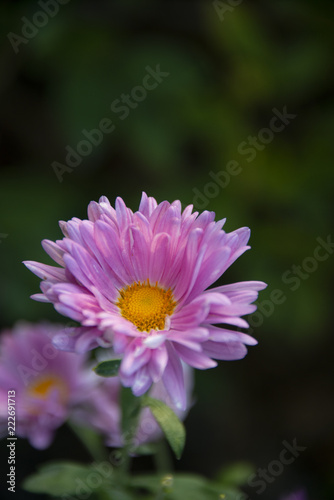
{"points": [[183, 486], [116, 493], [108, 368], [170, 424], [57, 478]]}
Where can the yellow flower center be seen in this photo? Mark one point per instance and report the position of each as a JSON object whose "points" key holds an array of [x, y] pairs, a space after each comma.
{"points": [[42, 387], [146, 306]]}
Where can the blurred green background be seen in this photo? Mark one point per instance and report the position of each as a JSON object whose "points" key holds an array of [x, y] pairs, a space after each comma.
{"points": [[226, 68]]}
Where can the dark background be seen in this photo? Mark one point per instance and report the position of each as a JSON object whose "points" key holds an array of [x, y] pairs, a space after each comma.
{"points": [[228, 69]]}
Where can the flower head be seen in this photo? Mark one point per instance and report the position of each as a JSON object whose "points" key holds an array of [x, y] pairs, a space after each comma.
{"points": [[47, 382], [141, 278]]}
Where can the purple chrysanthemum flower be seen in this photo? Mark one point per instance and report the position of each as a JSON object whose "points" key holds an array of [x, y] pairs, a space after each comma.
{"points": [[47, 382], [142, 279]]}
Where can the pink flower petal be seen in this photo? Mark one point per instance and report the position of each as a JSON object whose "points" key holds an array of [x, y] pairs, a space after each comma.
{"points": [[155, 340], [46, 272], [158, 362], [227, 351], [173, 378], [142, 382], [194, 359], [135, 357]]}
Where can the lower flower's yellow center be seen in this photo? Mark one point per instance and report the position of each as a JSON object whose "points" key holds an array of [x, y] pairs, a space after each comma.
{"points": [[146, 306], [42, 387]]}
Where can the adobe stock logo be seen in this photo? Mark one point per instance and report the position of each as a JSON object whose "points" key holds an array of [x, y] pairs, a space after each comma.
{"points": [[30, 28], [293, 277], [275, 468], [222, 7], [39, 361], [122, 107], [248, 148]]}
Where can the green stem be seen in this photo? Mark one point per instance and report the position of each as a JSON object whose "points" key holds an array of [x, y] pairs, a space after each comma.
{"points": [[162, 457], [128, 447], [90, 440], [131, 409]]}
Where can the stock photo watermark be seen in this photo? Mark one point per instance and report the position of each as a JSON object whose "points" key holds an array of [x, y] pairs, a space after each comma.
{"points": [[40, 359], [31, 27], [122, 108], [293, 278], [265, 476], [84, 488], [248, 148], [102, 472], [11, 411], [222, 8]]}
